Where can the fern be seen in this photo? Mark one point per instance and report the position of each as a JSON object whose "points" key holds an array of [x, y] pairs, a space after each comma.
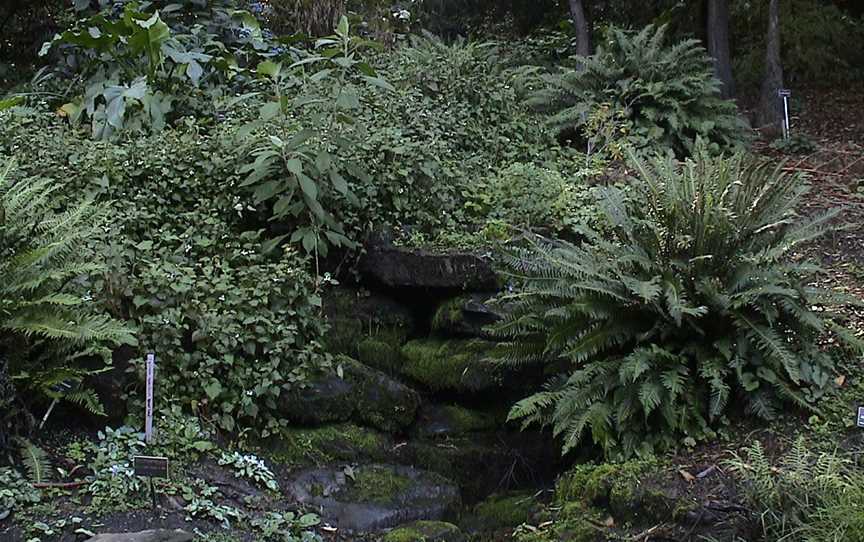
{"points": [[47, 322], [35, 461], [667, 94], [679, 317]]}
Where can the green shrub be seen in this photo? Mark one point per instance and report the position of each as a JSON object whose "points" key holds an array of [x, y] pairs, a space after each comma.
{"points": [[692, 306], [529, 196], [803, 495], [667, 93], [51, 327]]}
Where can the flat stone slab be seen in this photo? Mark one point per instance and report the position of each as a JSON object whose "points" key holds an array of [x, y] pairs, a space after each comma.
{"points": [[158, 535], [399, 267], [374, 497]]}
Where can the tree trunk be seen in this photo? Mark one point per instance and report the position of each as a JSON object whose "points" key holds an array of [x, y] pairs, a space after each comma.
{"points": [[718, 45], [770, 113], [583, 32]]}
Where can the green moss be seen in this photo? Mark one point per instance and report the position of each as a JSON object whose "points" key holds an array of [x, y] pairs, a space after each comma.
{"points": [[321, 445], [595, 484], [453, 365], [376, 484], [469, 421], [381, 354], [508, 510], [423, 531], [449, 314], [574, 522]]}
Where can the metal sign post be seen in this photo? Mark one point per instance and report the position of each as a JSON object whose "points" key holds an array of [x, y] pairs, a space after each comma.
{"points": [[149, 466], [785, 94], [148, 405]]}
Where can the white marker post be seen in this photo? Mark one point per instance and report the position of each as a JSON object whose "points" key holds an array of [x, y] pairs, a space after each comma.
{"points": [[785, 94], [148, 406]]}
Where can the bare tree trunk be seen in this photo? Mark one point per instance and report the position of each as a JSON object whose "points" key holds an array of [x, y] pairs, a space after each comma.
{"points": [[718, 45], [770, 113], [583, 32]]}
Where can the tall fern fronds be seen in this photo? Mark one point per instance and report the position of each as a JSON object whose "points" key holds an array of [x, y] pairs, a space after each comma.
{"points": [[801, 495], [667, 93], [691, 309], [47, 318], [35, 461]]}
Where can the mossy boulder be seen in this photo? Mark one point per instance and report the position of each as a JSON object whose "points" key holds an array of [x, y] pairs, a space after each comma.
{"points": [[501, 510], [362, 395], [454, 365], [440, 421], [467, 315], [570, 522], [375, 497], [382, 351], [299, 446], [425, 531]]}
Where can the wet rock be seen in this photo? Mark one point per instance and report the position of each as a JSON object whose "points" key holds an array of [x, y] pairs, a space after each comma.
{"points": [[363, 395], [375, 497], [455, 365], [468, 315], [482, 463], [398, 267], [112, 385], [425, 531], [439, 421], [159, 535]]}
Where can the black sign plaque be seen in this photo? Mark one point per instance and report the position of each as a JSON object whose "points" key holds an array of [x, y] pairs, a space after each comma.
{"points": [[150, 467]]}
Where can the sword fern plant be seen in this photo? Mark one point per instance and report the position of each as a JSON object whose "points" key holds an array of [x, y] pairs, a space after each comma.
{"points": [[694, 307], [48, 326]]}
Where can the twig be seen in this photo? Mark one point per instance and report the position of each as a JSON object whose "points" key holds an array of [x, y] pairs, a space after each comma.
{"points": [[60, 485]]}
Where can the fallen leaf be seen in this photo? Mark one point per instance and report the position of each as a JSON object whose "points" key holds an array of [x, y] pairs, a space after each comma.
{"points": [[687, 476], [840, 380], [610, 522]]}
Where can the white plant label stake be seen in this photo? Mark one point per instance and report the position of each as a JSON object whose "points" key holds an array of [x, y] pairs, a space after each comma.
{"points": [[785, 94], [148, 405]]}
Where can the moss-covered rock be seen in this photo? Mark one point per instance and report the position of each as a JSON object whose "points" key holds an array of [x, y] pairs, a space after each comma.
{"points": [[570, 522], [438, 421], [357, 315], [425, 531], [374, 497], [457, 365], [362, 394], [298, 446], [382, 351], [467, 316], [399, 267], [502, 510]]}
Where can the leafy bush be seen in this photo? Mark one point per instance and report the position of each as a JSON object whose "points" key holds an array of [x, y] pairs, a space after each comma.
{"points": [[51, 328], [186, 260], [691, 306], [529, 196], [668, 94], [803, 495]]}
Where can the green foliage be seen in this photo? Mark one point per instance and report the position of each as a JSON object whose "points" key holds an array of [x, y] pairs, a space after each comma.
{"points": [[533, 197], [16, 491], [286, 527], [35, 461], [796, 144], [250, 467], [137, 61], [667, 93], [692, 306], [50, 323], [802, 495]]}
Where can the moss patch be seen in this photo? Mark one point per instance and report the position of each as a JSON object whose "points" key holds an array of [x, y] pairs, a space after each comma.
{"points": [[424, 531], [595, 484], [450, 365], [322, 445], [382, 351], [507, 510], [449, 314], [375, 484]]}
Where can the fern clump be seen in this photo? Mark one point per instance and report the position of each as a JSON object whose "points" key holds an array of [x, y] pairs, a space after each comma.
{"points": [[802, 495], [666, 94], [691, 306], [48, 321]]}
